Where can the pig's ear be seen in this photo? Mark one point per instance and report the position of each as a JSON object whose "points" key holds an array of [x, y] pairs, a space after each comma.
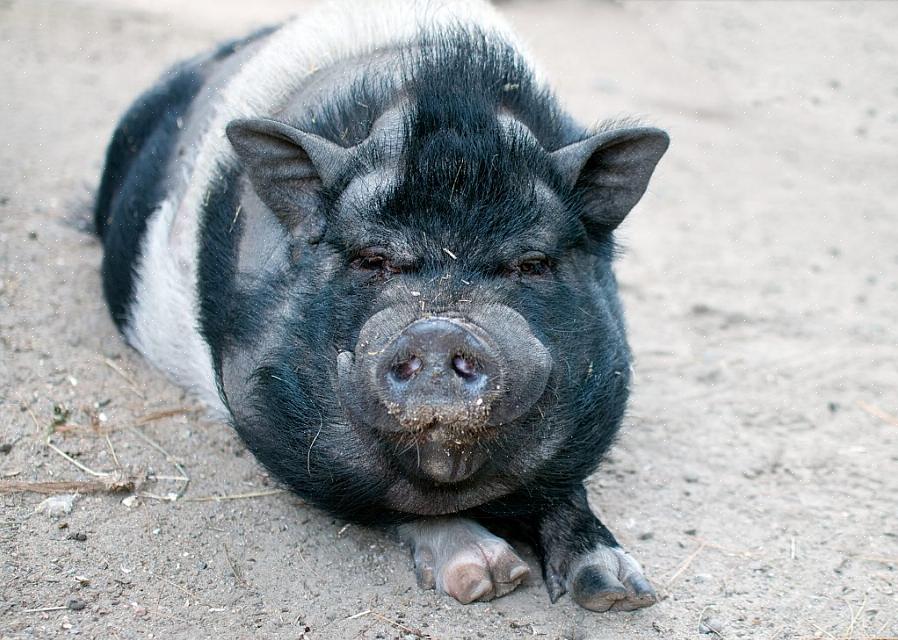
{"points": [[287, 166], [611, 171]]}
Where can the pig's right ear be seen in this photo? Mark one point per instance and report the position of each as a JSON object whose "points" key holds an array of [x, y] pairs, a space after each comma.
{"points": [[611, 171], [287, 167]]}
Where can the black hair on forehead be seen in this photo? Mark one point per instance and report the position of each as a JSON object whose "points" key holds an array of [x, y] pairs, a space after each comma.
{"points": [[463, 169], [346, 116], [462, 78]]}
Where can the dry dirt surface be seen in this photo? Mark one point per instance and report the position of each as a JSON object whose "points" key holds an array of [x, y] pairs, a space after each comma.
{"points": [[757, 475]]}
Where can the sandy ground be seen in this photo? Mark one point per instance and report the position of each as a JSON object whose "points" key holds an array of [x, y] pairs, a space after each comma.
{"points": [[757, 478]]}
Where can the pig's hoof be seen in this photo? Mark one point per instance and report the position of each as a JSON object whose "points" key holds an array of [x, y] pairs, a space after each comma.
{"points": [[609, 579], [462, 559]]}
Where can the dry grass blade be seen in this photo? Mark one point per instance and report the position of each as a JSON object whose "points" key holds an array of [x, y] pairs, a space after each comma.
{"points": [[236, 496], [237, 575], [188, 592], [42, 609], [358, 615], [855, 615], [34, 419], [84, 468], [821, 630], [873, 558], [394, 623], [684, 565], [878, 413], [168, 413], [131, 383]]}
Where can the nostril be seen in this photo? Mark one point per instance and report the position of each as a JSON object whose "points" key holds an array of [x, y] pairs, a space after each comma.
{"points": [[465, 367], [403, 371]]}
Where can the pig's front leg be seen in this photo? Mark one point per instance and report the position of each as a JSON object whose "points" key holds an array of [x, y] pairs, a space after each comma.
{"points": [[581, 556], [461, 558]]}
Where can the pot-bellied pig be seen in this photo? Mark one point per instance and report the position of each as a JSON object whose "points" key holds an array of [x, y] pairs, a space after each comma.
{"points": [[374, 240]]}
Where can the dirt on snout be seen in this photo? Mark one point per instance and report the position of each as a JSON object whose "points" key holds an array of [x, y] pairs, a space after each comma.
{"points": [[757, 475]]}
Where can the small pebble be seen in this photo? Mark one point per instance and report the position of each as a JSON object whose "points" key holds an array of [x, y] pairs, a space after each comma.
{"points": [[56, 506], [79, 536], [76, 604], [701, 577], [711, 625], [6, 447]]}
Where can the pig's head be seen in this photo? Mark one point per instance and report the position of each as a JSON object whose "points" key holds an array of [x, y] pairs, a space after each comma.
{"points": [[442, 327]]}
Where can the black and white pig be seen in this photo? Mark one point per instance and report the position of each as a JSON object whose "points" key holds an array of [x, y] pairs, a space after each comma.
{"points": [[374, 240]]}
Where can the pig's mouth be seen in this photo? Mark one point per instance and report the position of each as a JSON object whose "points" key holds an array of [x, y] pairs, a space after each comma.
{"points": [[441, 453]]}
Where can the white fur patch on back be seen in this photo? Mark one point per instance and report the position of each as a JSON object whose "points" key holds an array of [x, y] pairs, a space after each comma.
{"points": [[164, 323]]}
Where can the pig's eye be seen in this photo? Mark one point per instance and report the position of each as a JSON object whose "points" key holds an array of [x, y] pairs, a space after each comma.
{"points": [[374, 261], [532, 264]]}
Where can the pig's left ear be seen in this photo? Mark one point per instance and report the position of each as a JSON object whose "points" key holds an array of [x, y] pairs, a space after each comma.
{"points": [[287, 166], [611, 171]]}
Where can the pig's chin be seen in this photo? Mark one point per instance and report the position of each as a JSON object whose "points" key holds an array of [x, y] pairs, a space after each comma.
{"points": [[439, 458]]}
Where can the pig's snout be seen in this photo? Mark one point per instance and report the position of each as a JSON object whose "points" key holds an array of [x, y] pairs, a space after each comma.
{"points": [[439, 370], [440, 388]]}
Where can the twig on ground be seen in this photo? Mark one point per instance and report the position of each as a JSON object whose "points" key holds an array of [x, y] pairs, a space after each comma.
{"points": [[42, 609], [131, 383], [113, 484], [878, 413]]}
